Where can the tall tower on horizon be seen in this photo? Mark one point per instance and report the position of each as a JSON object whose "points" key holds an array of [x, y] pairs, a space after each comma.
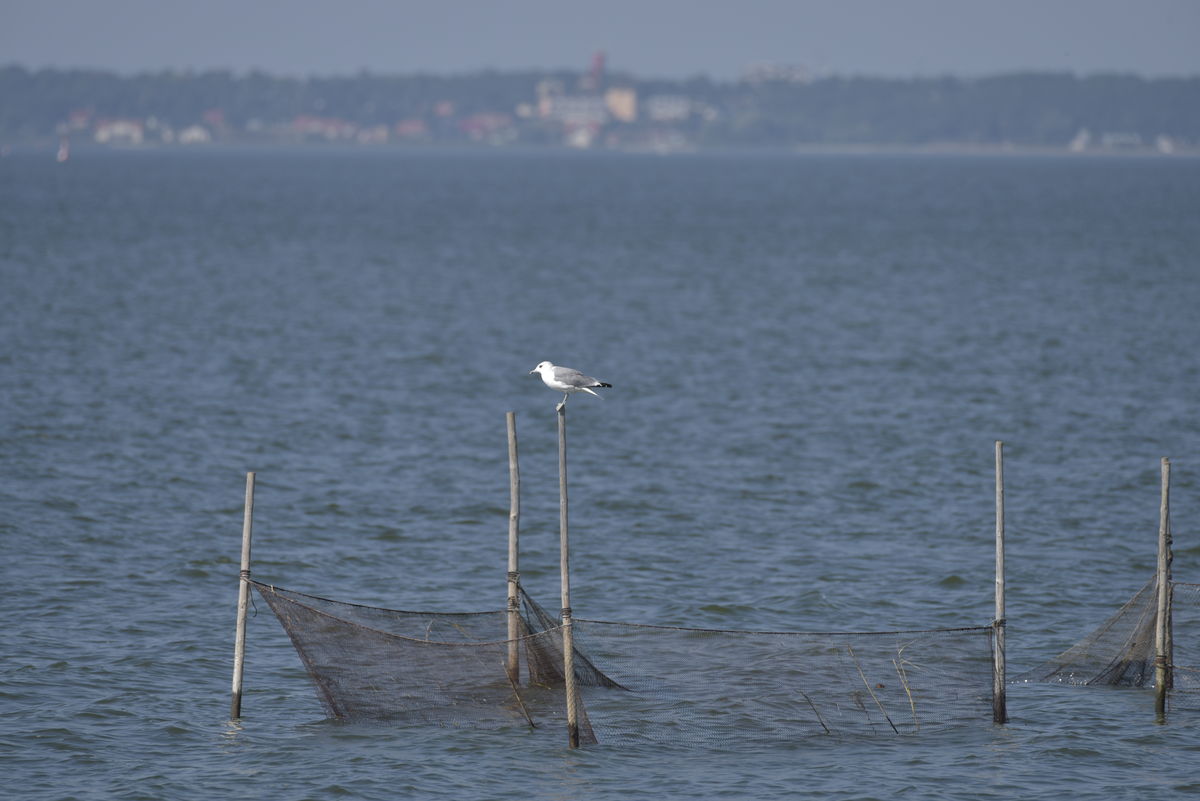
{"points": [[593, 80]]}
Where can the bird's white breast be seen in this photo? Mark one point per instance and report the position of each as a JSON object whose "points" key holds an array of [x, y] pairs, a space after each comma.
{"points": [[547, 374]]}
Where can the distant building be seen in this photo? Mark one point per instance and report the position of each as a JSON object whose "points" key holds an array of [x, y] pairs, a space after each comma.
{"points": [[578, 110], [546, 91], [489, 126], [80, 119], [119, 132], [581, 138], [194, 135], [410, 130], [622, 104], [593, 79], [328, 128], [668, 108], [372, 135]]}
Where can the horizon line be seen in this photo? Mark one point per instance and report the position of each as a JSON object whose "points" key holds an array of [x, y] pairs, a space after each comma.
{"points": [[815, 76]]}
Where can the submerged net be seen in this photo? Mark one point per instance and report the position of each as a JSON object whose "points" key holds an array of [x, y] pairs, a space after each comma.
{"points": [[1185, 652], [449, 669], [697, 685], [1121, 651], [636, 682]]}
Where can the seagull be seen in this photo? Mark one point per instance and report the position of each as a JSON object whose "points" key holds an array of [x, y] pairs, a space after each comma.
{"points": [[566, 380]]}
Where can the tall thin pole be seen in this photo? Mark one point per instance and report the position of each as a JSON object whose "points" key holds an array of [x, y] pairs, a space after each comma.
{"points": [[239, 644], [999, 700], [565, 575], [514, 525], [1162, 628]]}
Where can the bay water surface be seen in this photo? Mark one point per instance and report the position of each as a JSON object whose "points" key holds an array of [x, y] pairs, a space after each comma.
{"points": [[811, 358]]}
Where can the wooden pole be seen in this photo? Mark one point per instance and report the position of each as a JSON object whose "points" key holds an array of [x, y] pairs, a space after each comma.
{"points": [[514, 577], [568, 640], [239, 644], [1162, 628], [999, 699]]}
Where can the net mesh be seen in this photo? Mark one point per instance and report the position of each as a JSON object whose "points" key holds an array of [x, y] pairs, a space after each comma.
{"points": [[635, 682], [698, 685], [1185, 657], [1120, 652], [448, 669]]}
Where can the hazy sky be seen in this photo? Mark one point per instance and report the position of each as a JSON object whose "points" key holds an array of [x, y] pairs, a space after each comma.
{"points": [[649, 38]]}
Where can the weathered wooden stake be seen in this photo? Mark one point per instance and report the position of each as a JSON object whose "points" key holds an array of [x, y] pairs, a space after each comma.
{"points": [[999, 700], [239, 645], [1162, 628], [514, 577], [568, 640]]}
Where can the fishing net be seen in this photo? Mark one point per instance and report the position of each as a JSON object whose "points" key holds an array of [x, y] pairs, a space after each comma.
{"points": [[449, 669], [1120, 652], [699, 686], [634, 682], [1185, 656]]}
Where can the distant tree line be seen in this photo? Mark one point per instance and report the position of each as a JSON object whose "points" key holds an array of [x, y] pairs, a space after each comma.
{"points": [[1023, 109], [1027, 109]]}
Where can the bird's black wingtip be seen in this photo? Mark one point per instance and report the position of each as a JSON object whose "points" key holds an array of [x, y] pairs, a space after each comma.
{"points": [[602, 384]]}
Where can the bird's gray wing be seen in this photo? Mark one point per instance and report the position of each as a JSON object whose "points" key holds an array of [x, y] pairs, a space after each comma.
{"points": [[573, 378]]}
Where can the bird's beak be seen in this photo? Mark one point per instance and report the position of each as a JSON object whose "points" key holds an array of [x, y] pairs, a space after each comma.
{"points": [[534, 370]]}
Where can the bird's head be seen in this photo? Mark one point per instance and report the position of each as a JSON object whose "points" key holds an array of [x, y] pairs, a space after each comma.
{"points": [[541, 366]]}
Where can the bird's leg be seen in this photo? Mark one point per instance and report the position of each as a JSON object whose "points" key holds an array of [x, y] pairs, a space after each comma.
{"points": [[561, 404]]}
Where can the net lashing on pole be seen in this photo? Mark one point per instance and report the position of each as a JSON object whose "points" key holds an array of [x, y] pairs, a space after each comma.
{"points": [[636, 683], [1121, 651]]}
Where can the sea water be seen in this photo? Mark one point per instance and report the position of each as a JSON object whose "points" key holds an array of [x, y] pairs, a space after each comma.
{"points": [[811, 359]]}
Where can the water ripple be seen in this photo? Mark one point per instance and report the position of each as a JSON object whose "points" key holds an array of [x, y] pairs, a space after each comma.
{"points": [[811, 358]]}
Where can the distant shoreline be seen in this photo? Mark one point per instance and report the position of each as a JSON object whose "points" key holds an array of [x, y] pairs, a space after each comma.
{"points": [[777, 112], [87, 149]]}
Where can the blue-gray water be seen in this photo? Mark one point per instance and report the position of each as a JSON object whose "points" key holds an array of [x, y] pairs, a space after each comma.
{"points": [[811, 360]]}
